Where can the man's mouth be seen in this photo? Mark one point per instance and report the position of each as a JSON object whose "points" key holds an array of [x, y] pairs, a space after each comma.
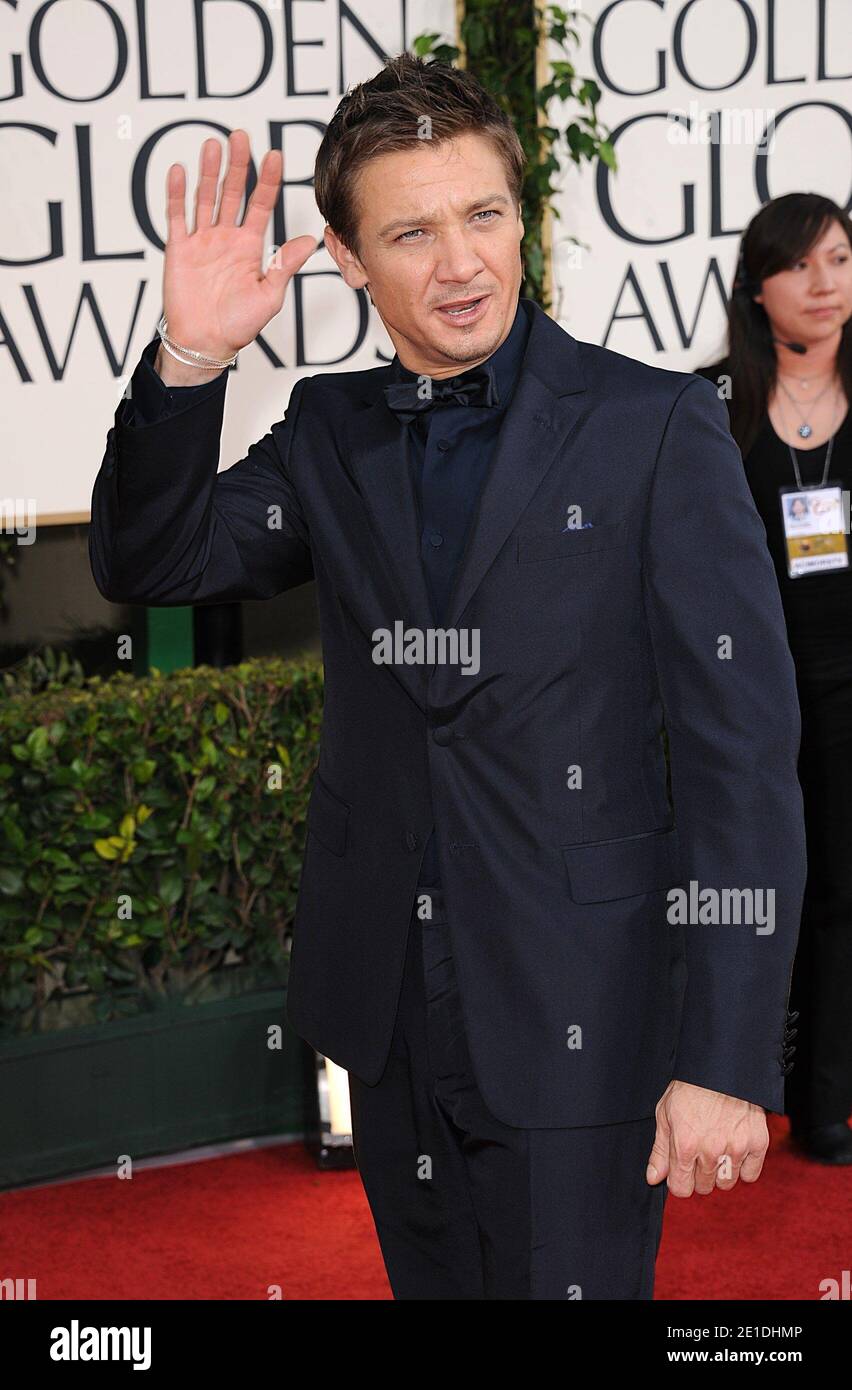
{"points": [[464, 310]]}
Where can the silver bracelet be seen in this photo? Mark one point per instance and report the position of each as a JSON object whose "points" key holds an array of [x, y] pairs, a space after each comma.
{"points": [[201, 360]]}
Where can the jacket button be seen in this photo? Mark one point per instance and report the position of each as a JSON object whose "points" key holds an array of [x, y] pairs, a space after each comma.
{"points": [[443, 735], [412, 839]]}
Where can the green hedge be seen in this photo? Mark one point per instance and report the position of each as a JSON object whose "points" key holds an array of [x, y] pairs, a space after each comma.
{"points": [[152, 835]]}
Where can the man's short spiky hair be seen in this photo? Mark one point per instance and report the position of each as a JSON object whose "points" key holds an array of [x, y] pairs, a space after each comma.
{"points": [[408, 101]]}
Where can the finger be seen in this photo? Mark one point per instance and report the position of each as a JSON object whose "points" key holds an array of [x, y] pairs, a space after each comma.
{"points": [[287, 260], [681, 1179], [728, 1170], [208, 181], [704, 1176], [176, 203], [658, 1158], [266, 191], [234, 185], [752, 1165], [681, 1169]]}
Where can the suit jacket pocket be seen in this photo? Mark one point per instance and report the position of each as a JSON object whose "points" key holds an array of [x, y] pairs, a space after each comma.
{"points": [[328, 817], [561, 545], [605, 869]]}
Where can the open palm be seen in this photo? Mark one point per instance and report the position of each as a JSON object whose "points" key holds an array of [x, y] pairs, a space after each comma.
{"points": [[216, 295]]}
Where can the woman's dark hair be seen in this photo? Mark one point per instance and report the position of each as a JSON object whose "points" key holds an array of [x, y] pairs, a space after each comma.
{"points": [[777, 237], [406, 102]]}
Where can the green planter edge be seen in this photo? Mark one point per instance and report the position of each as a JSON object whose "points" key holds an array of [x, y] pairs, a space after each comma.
{"points": [[172, 1079]]}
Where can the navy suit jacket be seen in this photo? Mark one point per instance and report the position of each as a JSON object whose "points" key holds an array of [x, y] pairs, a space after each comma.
{"points": [[581, 999]]}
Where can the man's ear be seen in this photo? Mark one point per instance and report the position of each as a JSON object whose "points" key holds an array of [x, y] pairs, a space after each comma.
{"points": [[347, 263]]}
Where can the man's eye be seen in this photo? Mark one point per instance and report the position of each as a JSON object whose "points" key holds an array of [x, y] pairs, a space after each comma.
{"points": [[486, 212]]}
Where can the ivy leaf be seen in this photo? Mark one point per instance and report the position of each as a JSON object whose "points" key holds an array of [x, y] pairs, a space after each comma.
{"points": [[11, 881], [110, 848], [38, 742], [14, 834], [171, 886]]}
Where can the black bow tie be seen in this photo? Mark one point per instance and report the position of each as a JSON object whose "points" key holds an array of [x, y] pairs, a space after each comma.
{"points": [[419, 394]]}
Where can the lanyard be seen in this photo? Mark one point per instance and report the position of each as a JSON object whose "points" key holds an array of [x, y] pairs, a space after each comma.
{"points": [[821, 483]]}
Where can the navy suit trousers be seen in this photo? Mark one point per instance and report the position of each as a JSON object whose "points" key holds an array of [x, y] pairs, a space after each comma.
{"points": [[467, 1207]]}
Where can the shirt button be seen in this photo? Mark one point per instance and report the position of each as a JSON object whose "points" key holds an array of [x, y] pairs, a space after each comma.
{"points": [[436, 539], [412, 839], [443, 735], [443, 445]]}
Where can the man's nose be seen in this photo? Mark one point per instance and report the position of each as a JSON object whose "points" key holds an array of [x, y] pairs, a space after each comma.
{"points": [[457, 261]]}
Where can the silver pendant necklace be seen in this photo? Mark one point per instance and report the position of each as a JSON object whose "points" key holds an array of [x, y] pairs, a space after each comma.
{"points": [[805, 429], [821, 483]]}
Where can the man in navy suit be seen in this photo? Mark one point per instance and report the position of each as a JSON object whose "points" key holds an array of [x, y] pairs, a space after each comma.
{"points": [[559, 985]]}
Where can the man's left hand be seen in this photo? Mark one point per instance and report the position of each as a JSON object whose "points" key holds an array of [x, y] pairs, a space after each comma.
{"points": [[706, 1139]]}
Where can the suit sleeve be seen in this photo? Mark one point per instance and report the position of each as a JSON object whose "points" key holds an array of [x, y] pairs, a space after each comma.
{"points": [[727, 683], [168, 529], [150, 399]]}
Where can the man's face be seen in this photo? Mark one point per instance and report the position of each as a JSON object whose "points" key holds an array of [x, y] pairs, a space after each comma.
{"points": [[437, 225]]}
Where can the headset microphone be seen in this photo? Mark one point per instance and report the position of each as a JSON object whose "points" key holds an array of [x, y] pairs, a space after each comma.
{"points": [[794, 347]]}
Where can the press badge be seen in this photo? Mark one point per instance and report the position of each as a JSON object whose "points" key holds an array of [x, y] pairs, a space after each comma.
{"points": [[814, 529]]}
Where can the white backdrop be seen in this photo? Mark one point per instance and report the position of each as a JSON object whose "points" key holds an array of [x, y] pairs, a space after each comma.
{"points": [[94, 110], [663, 232]]}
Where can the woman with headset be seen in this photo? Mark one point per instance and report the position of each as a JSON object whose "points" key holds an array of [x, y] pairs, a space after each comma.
{"points": [[787, 381]]}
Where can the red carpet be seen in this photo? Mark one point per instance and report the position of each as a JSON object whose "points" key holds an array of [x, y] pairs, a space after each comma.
{"points": [[227, 1228]]}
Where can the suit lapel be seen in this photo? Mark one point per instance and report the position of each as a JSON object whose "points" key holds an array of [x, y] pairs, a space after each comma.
{"points": [[542, 414], [538, 422]]}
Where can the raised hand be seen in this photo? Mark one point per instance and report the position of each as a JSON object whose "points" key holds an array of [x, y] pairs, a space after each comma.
{"points": [[216, 295]]}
